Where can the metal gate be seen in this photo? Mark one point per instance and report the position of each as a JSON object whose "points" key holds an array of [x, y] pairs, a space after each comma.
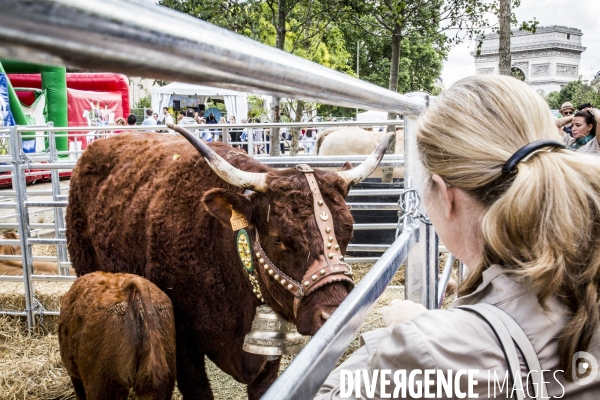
{"points": [[157, 42]]}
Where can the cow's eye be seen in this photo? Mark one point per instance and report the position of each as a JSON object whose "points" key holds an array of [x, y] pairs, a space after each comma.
{"points": [[277, 240]]}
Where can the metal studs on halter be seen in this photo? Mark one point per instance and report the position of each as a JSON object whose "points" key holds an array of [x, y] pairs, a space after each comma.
{"points": [[320, 202], [328, 229]]}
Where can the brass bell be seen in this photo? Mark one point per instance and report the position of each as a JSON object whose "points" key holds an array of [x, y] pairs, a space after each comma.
{"points": [[271, 335]]}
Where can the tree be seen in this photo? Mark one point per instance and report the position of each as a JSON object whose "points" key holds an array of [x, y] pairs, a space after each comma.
{"points": [[576, 92], [144, 102], [236, 16], [306, 28], [504, 56], [503, 10], [417, 20]]}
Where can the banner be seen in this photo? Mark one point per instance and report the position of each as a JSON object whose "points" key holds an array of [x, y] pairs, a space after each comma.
{"points": [[6, 118], [94, 109]]}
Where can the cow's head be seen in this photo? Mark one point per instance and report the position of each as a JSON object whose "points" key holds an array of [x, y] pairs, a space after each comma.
{"points": [[280, 209]]}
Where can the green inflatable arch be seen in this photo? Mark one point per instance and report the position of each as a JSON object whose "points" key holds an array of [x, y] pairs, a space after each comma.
{"points": [[54, 83]]}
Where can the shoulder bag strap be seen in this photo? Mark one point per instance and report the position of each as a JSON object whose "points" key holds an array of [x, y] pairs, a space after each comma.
{"points": [[507, 330], [524, 344]]}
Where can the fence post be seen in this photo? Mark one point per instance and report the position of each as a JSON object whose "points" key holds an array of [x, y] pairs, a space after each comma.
{"points": [[59, 224], [422, 263], [20, 186]]}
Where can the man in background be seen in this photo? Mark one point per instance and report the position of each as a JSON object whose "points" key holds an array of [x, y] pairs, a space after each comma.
{"points": [[567, 110], [166, 118], [149, 120]]}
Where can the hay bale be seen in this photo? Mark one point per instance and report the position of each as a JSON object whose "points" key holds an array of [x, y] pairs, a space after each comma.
{"points": [[30, 364]]}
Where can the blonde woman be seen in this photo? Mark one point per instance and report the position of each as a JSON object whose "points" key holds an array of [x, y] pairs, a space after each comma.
{"points": [[220, 134], [523, 214]]}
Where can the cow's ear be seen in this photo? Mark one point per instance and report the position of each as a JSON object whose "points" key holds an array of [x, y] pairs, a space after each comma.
{"points": [[222, 204], [347, 166]]}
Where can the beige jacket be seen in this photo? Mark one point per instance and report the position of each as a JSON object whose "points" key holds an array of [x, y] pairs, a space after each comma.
{"points": [[591, 147], [457, 339]]}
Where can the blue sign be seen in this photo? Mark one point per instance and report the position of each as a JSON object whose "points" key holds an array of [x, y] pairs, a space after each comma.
{"points": [[6, 118]]}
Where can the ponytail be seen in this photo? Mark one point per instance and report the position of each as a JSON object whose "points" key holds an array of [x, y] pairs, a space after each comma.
{"points": [[541, 222]]}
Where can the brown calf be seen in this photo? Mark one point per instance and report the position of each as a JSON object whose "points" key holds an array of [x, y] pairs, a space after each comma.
{"points": [[116, 333]]}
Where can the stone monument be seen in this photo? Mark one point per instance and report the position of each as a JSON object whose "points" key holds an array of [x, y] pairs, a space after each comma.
{"points": [[547, 60]]}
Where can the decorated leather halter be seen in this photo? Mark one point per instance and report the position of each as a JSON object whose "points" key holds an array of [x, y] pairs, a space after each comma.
{"points": [[327, 269]]}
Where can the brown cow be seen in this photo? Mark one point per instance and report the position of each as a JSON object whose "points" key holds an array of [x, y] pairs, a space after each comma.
{"points": [[116, 333], [152, 205], [15, 268]]}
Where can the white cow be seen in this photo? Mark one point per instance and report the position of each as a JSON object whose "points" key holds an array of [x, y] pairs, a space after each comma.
{"points": [[352, 140]]}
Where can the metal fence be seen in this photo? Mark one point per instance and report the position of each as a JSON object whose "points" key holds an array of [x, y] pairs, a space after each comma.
{"points": [[163, 44], [21, 167]]}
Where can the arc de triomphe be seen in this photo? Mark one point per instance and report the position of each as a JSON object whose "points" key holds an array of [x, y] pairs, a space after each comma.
{"points": [[546, 60]]}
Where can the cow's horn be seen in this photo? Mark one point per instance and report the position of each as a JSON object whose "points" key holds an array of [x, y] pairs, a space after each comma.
{"points": [[256, 181], [360, 173]]}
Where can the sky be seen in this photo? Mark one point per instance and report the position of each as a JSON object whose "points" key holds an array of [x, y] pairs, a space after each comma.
{"points": [[581, 14]]}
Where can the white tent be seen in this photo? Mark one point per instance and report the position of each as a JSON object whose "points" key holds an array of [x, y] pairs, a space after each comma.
{"points": [[236, 103], [372, 116]]}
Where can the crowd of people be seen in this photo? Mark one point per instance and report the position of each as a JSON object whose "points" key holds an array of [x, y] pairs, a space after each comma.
{"points": [[577, 126], [237, 136]]}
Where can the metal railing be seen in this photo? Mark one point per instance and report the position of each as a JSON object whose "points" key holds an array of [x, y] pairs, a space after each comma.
{"points": [[48, 161], [163, 44]]}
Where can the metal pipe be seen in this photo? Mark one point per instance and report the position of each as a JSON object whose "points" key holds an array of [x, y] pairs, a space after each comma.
{"points": [[17, 313], [20, 186], [32, 241], [422, 263], [46, 203], [157, 42], [374, 227], [35, 258], [444, 279], [305, 375], [374, 206], [369, 247], [361, 260], [59, 222], [261, 125], [375, 192]]}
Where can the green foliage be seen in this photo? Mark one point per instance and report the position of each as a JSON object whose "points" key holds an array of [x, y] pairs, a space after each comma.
{"points": [[577, 92], [144, 102], [421, 57], [256, 108], [325, 110], [236, 16]]}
